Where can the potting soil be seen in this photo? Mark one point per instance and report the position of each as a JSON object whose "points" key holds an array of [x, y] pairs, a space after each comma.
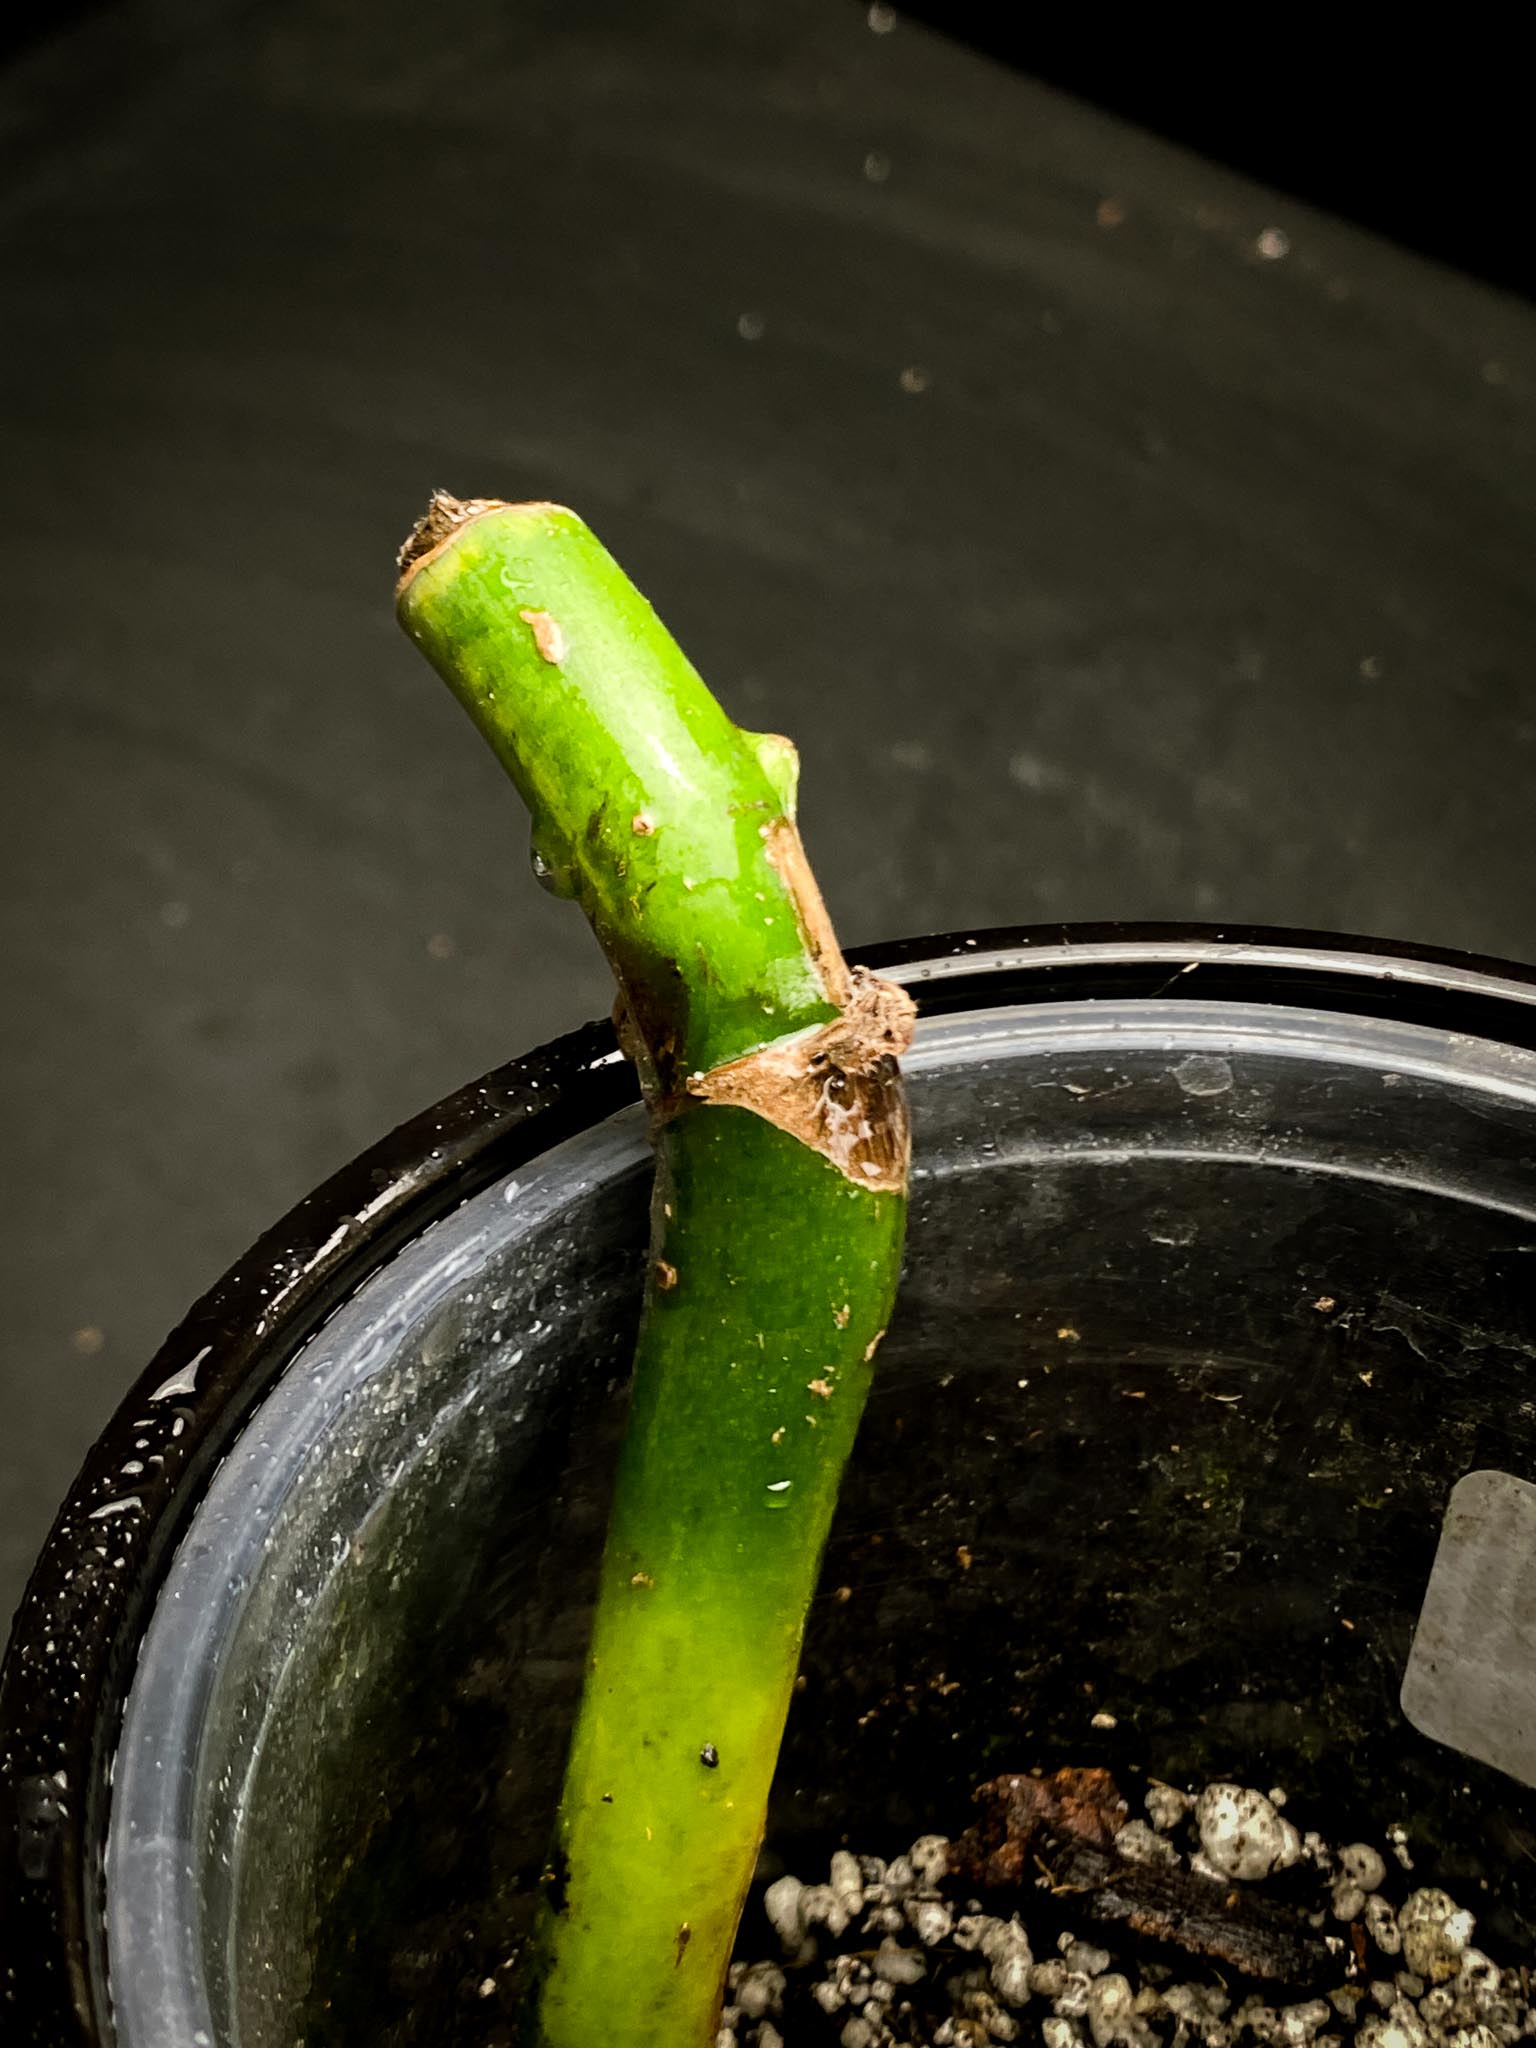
{"points": [[1064, 1921]]}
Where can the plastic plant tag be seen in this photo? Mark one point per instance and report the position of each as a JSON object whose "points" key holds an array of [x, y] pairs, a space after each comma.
{"points": [[1471, 1676]]}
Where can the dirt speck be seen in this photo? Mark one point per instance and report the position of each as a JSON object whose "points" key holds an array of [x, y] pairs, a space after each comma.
{"points": [[548, 636]]}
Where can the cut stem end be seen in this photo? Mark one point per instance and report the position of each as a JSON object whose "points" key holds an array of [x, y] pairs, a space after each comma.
{"points": [[446, 516]]}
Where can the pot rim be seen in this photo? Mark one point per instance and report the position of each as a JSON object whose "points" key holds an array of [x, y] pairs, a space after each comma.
{"points": [[74, 1641]]}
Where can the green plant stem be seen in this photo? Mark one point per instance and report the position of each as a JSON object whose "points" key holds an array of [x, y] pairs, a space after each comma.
{"points": [[777, 1226]]}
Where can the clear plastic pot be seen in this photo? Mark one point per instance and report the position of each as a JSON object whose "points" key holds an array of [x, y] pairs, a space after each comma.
{"points": [[1220, 1278]]}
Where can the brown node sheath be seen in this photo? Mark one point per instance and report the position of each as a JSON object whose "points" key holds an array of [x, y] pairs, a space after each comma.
{"points": [[838, 1088]]}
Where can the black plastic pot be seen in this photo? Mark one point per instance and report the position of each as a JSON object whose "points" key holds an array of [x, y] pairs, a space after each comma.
{"points": [[1220, 1279]]}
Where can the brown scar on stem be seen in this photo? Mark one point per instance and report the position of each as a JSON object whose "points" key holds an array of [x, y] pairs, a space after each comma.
{"points": [[548, 636], [641, 1579], [822, 1389], [666, 1275], [836, 1088], [684, 1936], [872, 1346], [645, 1058], [786, 856], [840, 1315], [445, 519]]}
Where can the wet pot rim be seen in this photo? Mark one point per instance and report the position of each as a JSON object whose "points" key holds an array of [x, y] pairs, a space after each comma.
{"points": [[74, 1640]]}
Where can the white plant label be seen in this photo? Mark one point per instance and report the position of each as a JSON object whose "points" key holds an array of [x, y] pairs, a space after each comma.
{"points": [[1471, 1676]]}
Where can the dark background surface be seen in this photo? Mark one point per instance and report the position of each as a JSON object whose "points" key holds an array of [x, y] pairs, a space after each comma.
{"points": [[1117, 538], [1420, 134]]}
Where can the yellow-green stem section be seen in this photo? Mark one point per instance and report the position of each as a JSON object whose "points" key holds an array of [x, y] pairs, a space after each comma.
{"points": [[750, 1375]]}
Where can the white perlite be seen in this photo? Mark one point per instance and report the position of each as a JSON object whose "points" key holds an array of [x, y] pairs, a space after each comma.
{"points": [[892, 1955], [1241, 1834], [1363, 1866], [1436, 1934], [1166, 1805]]}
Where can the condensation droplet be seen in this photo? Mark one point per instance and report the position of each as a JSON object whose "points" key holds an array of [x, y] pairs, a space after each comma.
{"points": [[1204, 1073]]}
